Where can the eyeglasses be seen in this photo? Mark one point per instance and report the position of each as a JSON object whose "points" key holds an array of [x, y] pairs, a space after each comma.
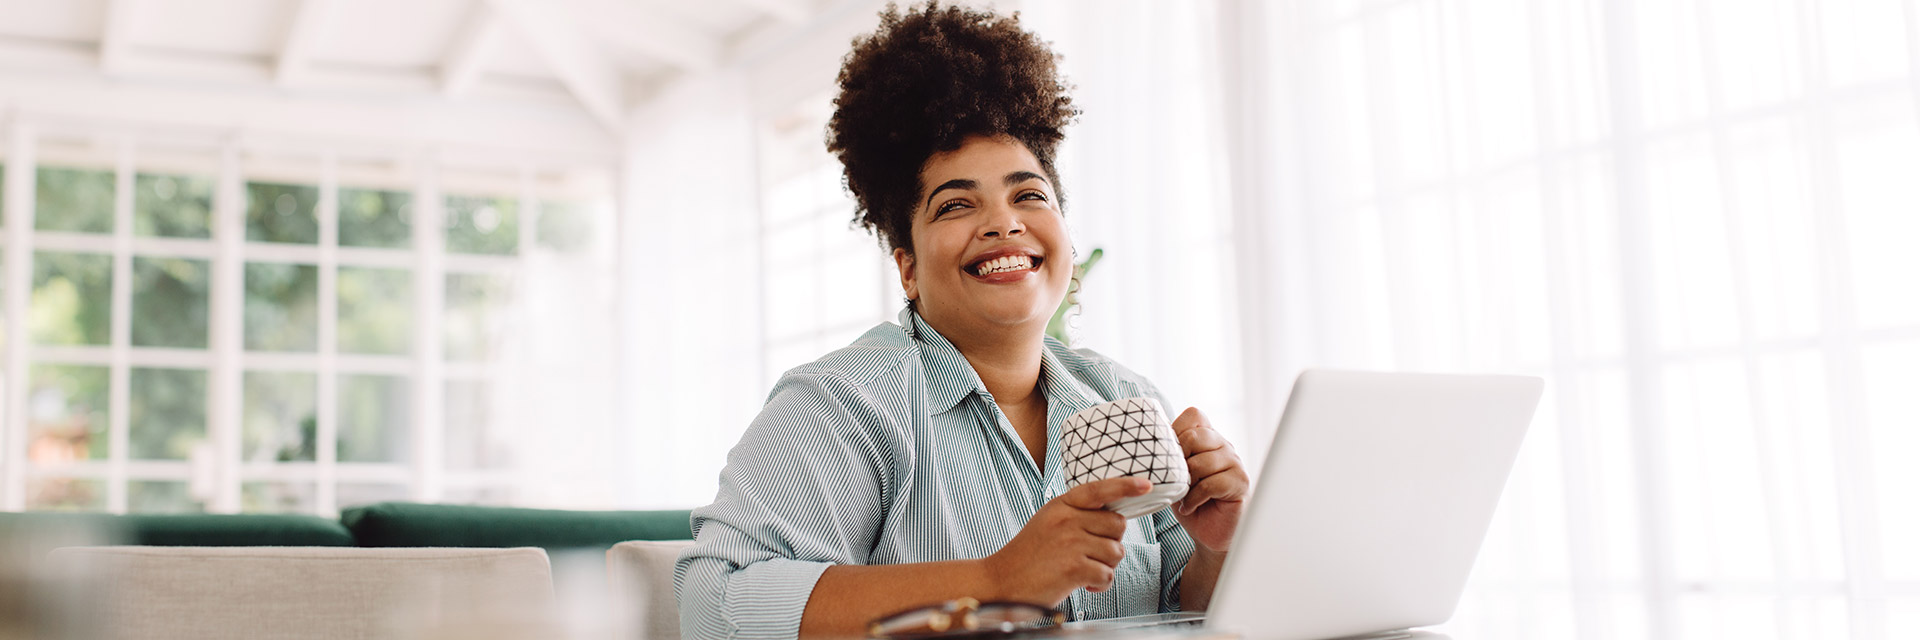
{"points": [[965, 618]]}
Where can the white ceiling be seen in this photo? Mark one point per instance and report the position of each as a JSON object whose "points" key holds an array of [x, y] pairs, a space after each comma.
{"points": [[602, 56]]}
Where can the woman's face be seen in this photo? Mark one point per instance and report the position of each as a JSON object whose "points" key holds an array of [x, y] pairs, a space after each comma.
{"points": [[991, 252]]}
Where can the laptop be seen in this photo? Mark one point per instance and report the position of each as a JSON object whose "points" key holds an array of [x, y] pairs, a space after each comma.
{"points": [[1374, 498]]}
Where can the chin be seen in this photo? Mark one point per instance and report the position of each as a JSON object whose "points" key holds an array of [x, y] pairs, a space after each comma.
{"points": [[1015, 312]]}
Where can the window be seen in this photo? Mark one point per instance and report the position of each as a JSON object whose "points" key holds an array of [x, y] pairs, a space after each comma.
{"points": [[824, 280], [314, 354]]}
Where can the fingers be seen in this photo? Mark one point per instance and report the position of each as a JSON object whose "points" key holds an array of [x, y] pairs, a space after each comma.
{"points": [[1201, 439], [1201, 465], [1103, 523], [1095, 577], [1226, 487], [1107, 552], [1192, 418], [1096, 494]]}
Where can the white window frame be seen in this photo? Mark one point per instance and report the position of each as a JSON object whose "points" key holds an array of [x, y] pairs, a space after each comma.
{"points": [[225, 360]]}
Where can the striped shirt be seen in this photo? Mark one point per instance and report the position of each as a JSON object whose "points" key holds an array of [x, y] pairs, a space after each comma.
{"points": [[892, 451]]}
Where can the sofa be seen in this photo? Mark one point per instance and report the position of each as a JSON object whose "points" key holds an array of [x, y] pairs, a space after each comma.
{"points": [[386, 524], [389, 570]]}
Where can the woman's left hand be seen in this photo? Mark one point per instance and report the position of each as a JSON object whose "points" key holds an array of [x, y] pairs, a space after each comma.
{"points": [[1219, 485]]}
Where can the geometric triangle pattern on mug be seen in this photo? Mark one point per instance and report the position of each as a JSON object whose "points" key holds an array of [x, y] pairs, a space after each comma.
{"points": [[1127, 437]]}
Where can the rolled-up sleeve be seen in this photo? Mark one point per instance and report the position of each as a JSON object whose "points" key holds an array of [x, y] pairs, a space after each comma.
{"points": [[806, 488]]}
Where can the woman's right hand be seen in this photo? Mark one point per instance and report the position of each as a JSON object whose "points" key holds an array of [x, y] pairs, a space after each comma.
{"points": [[1073, 541]]}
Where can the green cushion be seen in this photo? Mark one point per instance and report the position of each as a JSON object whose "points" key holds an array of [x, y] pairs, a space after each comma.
{"points": [[407, 524], [184, 530]]}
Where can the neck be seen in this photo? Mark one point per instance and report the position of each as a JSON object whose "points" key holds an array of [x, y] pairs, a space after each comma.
{"points": [[1007, 360]]}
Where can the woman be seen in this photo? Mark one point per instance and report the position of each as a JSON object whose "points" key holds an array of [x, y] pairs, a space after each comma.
{"points": [[921, 463]]}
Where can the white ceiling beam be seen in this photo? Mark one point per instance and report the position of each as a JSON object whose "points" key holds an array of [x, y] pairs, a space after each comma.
{"points": [[116, 34], [788, 11], [471, 49], [632, 26], [595, 81], [303, 36]]}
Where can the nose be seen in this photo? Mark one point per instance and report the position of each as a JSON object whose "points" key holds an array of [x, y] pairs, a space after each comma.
{"points": [[1002, 221]]}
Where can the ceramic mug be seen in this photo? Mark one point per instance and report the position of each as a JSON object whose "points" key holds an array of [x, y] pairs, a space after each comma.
{"points": [[1126, 437]]}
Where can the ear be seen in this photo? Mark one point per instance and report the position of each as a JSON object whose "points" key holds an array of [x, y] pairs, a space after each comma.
{"points": [[904, 261]]}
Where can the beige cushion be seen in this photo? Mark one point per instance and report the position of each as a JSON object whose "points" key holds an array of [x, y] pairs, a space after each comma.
{"points": [[641, 574], [211, 593]]}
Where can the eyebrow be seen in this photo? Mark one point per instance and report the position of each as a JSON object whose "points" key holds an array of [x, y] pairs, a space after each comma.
{"points": [[1014, 178]]}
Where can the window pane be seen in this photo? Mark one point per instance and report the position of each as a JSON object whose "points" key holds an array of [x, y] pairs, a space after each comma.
{"points": [[167, 414], [565, 226], [282, 213], [354, 494], [473, 440], [73, 200], [283, 307], [161, 497], [66, 494], [276, 497], [483, 225], [70, 298], [280, 410], [497, 496], [376, 309], [170, 302], [67, 413], [476, 315], [172, 206], [373, 418], [373, 218]]}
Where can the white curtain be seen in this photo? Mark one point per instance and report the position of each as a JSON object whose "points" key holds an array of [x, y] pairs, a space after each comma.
{"points": [[1143, 171], [1696, 218]]}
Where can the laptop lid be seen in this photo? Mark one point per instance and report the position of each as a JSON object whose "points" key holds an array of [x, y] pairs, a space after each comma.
{"points": [[1372, 503]]}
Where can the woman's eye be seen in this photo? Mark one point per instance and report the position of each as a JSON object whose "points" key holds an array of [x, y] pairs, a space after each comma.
{"points": [[1031, 195], [950, 206]]}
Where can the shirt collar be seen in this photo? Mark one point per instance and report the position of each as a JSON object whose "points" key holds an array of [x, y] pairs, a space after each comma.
{"points": [[1066, 395], [949, 376]]}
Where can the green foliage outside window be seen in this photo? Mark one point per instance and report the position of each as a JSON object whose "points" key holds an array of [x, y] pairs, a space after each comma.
{"points": [[154, 496], [282, 307], [278, 416], [374, 218], [67, 412], [66, 494], [483, 225], [475, 315], [71, 296], [282, 213], [276, 497], [72, 304], [172, 206], [376, 310], [167, 413], [565, 226], [73, 200], [373, 418], [170, 302]]}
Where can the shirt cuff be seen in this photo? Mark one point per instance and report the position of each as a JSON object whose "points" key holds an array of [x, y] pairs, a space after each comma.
{"points": [[766, 599]]}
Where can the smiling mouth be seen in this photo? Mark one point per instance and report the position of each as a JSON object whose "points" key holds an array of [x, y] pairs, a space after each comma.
{"points": [[1005, 264]]}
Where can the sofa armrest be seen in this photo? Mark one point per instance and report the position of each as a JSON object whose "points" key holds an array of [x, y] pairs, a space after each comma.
{"points": [[640, 573]]}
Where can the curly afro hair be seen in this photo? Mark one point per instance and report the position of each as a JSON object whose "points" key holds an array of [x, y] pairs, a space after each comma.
{"points": [[924, 82]]}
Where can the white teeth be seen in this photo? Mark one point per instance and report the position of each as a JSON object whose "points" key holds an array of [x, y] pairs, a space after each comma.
{"points": [[1006, 263]]}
